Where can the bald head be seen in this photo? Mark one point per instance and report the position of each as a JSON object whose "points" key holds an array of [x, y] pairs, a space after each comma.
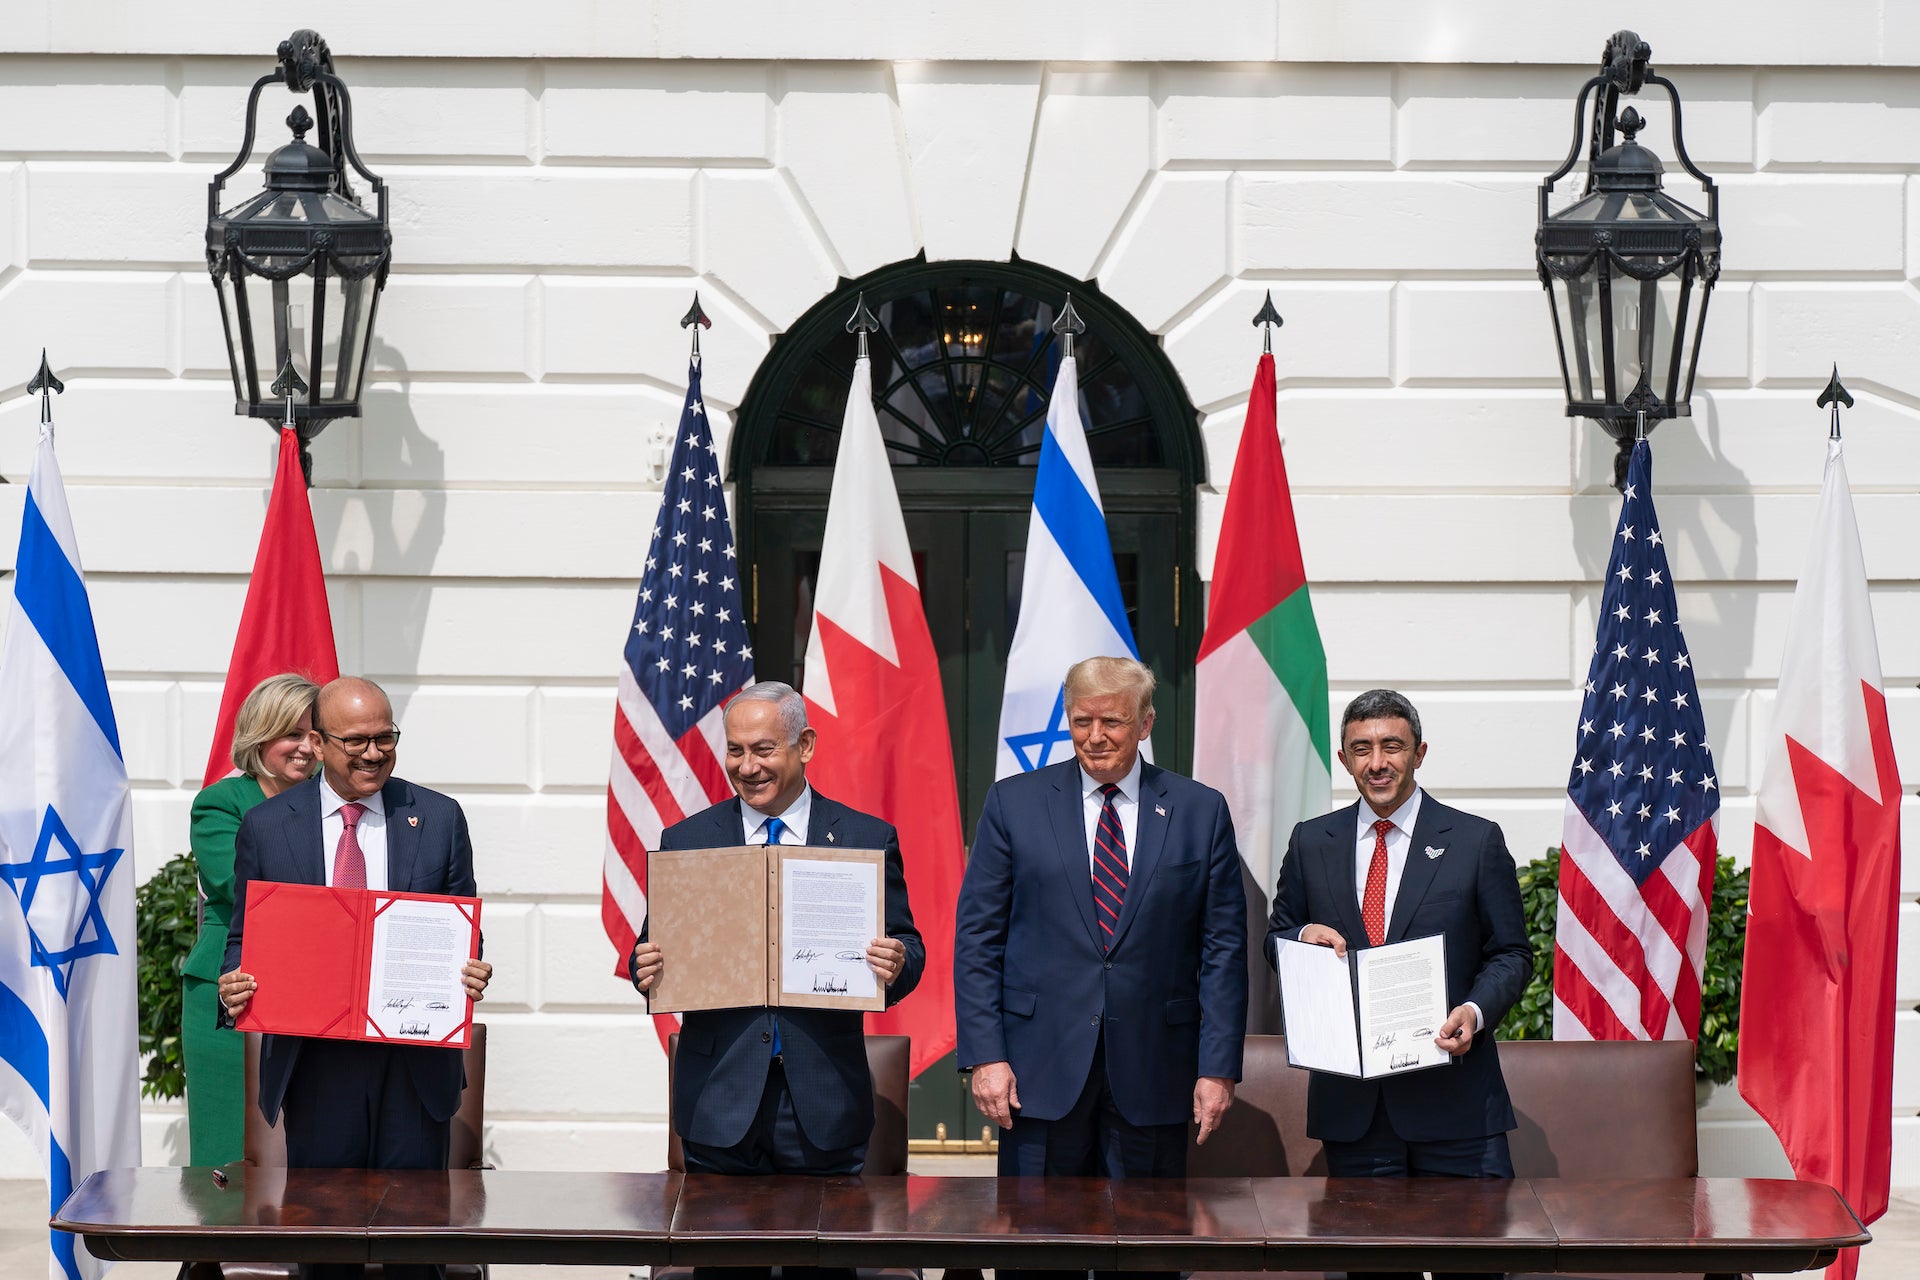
{"points": [[358, 739]]}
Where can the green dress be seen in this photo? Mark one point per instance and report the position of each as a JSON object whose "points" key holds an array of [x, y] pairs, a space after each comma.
{"points": [[216, 1088]]}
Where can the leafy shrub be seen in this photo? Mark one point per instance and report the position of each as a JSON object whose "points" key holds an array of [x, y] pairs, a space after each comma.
{"points": [[167, 910], [1531, 1018]]}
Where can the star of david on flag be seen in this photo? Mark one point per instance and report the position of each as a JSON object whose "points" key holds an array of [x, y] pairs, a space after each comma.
{"points": [[69, 1033], [76, 929]]}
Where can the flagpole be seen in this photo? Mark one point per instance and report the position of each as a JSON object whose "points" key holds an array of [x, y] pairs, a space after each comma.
{"points": [[696, 319], [860, 324], [1270, 318], [1067, 325], [1835, 395], [46, 384]]}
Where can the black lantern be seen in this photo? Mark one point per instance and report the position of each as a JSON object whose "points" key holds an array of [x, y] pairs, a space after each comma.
{"points": [[300, 265], [1627, 268]]}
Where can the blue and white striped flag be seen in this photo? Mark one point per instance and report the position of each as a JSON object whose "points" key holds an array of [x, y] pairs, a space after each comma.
{"points": [[69, 1037], [1070, 605]]}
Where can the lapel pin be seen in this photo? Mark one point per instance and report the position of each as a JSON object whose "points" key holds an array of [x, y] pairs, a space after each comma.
{"points": [[829, 837], [414, 821], [1432, 852], [1160, 809]]}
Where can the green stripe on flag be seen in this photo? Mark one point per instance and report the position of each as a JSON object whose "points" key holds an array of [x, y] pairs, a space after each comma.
{"points": [[1288, 638]]}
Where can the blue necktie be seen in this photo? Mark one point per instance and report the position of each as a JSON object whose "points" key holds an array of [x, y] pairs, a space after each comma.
{"points": [[774, 829]]}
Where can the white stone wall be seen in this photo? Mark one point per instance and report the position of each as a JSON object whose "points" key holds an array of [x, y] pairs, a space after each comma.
{"points": [[559, 189]]}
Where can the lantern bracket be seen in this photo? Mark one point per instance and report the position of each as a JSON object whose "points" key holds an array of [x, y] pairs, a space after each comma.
{"points": [[306, 66], [1623, 70]]}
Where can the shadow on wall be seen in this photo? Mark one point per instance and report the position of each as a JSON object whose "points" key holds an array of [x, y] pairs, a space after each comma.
{"points": [[392, 527]]}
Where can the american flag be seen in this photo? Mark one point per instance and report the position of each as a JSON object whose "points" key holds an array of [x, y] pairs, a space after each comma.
{"points": [[687, 652], [1643, 806]]}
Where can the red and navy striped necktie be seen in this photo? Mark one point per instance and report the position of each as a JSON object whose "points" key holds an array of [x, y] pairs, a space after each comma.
{"points": [[1109, 865]]}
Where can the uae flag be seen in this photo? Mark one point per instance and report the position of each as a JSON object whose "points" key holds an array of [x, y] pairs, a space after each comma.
{"points": [[872, 685], [1261, 718], [285, 625], [1816, 1000]]}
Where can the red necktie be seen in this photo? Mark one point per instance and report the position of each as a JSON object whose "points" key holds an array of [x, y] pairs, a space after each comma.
{"points": [[349, 864], [1373, 903], [1109, 865]]}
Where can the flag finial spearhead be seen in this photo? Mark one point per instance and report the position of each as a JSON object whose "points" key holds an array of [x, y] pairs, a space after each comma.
{"points": [[48, 386], [1067, 325], [1835, 395], [696, 320], [1269, 318], [861, 323]]}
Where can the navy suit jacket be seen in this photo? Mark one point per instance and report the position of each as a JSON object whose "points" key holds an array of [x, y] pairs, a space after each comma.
{"points": [[1469, 892], [1033, 984], [720, 1072], [279, 839]]}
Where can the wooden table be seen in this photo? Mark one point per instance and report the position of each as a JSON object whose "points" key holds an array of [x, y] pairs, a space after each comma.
{"points": [[1713, 1225]]}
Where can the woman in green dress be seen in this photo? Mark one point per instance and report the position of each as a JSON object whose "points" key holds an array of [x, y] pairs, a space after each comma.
{"points": [[274, 747]]}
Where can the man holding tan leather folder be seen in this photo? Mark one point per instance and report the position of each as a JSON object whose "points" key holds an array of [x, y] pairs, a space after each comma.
{"points": [[756, 1089]]}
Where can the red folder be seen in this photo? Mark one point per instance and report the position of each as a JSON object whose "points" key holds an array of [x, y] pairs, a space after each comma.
{"points": [[311, 950]]}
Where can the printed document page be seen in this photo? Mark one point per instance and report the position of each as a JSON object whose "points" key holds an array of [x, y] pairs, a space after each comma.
{"points": [[1316, 1002], [829, 911], [1403, 1001], [414, 990]]}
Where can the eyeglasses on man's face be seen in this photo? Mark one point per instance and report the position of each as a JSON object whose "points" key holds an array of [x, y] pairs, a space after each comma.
{"points": [[357, 743]]}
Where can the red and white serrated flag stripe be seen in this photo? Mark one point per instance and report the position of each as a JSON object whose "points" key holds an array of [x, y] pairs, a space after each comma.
{"points": [[1817, 997], [874, 698]]}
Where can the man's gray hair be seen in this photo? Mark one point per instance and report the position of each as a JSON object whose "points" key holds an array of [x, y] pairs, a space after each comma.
{"points": [[793, 707], [1381, 704], [1097, 677]]}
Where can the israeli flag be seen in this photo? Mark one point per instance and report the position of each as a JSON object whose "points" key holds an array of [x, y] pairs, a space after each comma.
{"points": [[69, 1038], [1069, 594]]}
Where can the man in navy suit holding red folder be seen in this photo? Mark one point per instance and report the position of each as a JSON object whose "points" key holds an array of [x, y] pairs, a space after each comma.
{"points": [[348, 1103]]}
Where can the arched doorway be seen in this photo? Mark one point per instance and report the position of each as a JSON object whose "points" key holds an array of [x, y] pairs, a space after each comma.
{"points": [[963, 367]]}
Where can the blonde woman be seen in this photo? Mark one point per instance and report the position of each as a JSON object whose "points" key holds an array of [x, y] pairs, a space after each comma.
{"points": [[274, 747]]}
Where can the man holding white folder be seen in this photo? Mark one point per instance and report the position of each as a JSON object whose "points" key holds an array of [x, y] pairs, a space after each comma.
{"points": [[1399, 865]]}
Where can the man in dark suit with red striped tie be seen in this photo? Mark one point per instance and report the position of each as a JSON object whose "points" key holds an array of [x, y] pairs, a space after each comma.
{"points": [[1394, 866], [1100, 981]]}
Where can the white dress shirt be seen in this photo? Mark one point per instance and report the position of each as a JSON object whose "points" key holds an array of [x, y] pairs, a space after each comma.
{"points": [[1126, 807], [1399, 841], [797, 816], [372, 831]]}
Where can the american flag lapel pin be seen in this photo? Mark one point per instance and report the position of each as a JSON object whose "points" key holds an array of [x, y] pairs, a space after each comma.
{"points": [[413, 820], [1432, 852], [1160, 809], [829, 837]]}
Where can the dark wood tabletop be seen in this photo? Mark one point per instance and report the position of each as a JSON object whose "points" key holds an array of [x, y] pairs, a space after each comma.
{"points": [[1225, 1224], [1065, 1223], [1403, 1224], [521, 1216], [1669, 1224]]}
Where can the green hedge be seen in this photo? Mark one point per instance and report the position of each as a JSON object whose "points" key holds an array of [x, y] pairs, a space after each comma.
{"points": [[167, 910], [1532, 1017]]}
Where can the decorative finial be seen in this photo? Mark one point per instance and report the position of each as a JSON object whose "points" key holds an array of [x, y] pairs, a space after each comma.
{"points": [[299, 121], [1067, 325], [1835, 395], [861, 323], [47, 385], [1269, 317], [288, 384], [696, 319]]}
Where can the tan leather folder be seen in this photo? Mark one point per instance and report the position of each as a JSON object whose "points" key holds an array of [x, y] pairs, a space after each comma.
{"points": [[716, 915]]}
